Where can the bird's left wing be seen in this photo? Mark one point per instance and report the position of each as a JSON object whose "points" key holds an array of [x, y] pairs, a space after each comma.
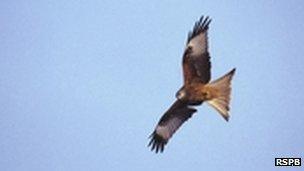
{"points": [[177, 114], [196, 59]]}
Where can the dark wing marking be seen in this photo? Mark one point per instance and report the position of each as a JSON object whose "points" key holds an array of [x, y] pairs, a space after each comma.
{"points": [[196, 59], [177, 114], [199, 27]]}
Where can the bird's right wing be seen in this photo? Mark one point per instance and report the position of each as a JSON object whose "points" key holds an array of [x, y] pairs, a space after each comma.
{"points": [[177, 114]]}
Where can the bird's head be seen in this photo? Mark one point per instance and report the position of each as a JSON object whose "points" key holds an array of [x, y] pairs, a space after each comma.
{"points": [[181, 94]]}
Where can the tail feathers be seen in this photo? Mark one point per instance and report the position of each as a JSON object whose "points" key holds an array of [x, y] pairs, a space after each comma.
{"points": [[221, 99]]}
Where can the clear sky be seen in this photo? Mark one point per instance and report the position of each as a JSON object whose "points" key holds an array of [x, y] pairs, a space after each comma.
{"points": [[83, 84]]}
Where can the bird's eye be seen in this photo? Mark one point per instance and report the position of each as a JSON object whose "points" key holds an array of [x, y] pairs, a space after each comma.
{"points": [[178, 94]]}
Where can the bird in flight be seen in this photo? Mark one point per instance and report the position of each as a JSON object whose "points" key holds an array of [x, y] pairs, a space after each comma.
{"points": [[196, 89]]}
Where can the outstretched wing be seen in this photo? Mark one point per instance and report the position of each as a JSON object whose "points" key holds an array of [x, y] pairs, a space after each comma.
{"points": [[178, 113], [196, 59]]}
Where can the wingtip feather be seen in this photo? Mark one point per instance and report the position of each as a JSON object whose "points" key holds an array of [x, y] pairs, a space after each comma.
{"points": [[157, 143], [199, 27]]}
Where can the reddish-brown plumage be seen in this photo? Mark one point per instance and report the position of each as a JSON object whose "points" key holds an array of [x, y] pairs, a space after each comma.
{"points": [[196, 89]]}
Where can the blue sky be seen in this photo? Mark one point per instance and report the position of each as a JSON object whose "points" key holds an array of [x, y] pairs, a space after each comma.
{"points": [[83, 84]]}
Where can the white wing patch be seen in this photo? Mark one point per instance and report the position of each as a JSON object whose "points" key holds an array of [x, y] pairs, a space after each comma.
{"points": [[168, 129], [163, 131], [198, 44]]}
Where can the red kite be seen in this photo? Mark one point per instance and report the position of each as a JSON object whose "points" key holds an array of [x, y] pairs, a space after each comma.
{"points": [[196, 89]]}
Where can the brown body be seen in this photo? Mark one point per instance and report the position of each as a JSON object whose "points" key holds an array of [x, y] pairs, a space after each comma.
{"points": [[197, 92], [196, 89]]}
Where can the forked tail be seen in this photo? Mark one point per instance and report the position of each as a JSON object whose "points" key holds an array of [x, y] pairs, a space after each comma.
{"points": [[221, 98]]}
